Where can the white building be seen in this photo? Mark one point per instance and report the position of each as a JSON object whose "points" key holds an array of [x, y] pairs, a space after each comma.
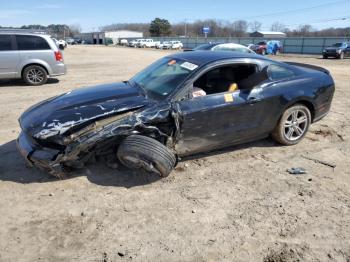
{"points": [[92, 38], [101, 38], [116, 36]]}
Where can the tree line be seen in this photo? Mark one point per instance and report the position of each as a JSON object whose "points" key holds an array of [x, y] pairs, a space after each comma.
{"points": [[222, 28], [218, 28], [56, 30]]}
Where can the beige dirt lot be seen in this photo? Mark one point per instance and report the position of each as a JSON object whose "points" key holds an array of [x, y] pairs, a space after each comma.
{"points": [[238, 204]]}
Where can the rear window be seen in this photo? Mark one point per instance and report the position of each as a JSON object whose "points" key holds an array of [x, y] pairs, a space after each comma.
{"points": [[278, 72], [29, 42], [203, 47], [5, 43]]}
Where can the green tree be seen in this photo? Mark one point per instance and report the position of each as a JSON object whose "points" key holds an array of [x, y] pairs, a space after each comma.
{"points": [[160, 27]]}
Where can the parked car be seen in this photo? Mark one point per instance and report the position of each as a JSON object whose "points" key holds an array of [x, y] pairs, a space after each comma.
{"points": [[147, 43], [60, 43], [134, 43], [176, 45], [338, 50], [221, 47], [260, 48], [71, 41], [123, 42], [32, 57], [267, 47], [164, 45], [157, 116]]}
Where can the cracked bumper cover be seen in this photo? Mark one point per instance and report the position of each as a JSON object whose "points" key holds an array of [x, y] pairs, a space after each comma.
{"points": [[36, 155]]}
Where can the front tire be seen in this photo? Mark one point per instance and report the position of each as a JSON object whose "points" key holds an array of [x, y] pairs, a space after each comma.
{"points": [[325, 57], [293, 125], [34, 75], [147, 153]]}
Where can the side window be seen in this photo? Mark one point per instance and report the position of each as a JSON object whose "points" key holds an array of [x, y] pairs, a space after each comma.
{"points": [[278, 72], [5, 43], [29, 42], [228, 78]]}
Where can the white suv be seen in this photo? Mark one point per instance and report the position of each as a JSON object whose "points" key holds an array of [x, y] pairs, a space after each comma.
{"points": [[32, 57]]}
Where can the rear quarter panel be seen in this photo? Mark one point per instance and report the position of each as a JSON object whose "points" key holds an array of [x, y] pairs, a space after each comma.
{"points": [[312, 88], [45, 58]]}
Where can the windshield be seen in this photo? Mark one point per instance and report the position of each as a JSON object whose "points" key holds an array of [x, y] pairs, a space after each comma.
{"points": [[338, 45], [161, 78]]}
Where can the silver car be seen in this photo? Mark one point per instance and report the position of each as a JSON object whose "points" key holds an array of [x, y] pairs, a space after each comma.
{"points": [[32, 57]]}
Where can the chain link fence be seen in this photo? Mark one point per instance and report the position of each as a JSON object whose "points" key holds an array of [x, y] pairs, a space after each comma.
{"points": [[295, 45]]}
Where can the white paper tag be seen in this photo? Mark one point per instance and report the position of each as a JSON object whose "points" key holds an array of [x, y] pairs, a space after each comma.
{"points": [[189, 66]]}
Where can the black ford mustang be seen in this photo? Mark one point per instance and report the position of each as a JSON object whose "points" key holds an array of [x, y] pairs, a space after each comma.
{"points": [[180, 105]]}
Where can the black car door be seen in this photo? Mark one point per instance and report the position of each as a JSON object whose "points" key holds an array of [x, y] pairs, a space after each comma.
{"points": [[217, 120]]}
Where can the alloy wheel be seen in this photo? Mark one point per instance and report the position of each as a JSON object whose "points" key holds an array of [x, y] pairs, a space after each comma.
{"points": [[295, 125], [35, 76]]}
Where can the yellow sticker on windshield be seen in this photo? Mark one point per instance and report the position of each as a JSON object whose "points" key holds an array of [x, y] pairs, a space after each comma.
{"points": [[228, 98]]}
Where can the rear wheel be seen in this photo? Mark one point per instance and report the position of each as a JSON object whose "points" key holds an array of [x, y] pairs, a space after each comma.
{"points": [[293, 125], [147, 153], [34, 75]]}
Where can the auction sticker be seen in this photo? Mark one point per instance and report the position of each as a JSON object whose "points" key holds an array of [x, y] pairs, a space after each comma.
{"points": [[228, 98], [189, 66]]}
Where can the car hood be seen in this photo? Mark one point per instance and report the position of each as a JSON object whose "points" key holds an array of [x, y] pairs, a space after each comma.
{"points": [[59, 114]]}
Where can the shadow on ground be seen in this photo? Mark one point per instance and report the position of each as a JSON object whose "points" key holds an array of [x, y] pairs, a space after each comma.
{"points": [[20, 82], [14, 169]]}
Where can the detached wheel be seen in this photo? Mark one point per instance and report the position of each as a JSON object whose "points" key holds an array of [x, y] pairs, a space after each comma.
{"points": [[34, 75], [143, 152], [293, 125]]}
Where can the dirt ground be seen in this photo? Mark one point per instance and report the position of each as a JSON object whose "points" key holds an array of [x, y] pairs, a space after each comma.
{"points": [[238, 204]]}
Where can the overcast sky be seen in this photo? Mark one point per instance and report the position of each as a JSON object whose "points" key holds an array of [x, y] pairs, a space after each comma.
{"points": [[93, 14]]}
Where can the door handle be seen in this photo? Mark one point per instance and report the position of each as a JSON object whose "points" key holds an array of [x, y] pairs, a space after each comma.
{"points": [[254, 100]]}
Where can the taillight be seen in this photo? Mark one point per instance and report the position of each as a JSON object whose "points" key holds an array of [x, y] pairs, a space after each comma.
{"points": [[58, 56]]}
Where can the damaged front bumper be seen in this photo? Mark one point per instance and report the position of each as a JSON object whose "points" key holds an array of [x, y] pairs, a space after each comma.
{"points": [[38, 156]]}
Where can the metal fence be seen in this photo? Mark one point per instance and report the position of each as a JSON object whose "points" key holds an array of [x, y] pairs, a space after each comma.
{"points": [[296, 45]]}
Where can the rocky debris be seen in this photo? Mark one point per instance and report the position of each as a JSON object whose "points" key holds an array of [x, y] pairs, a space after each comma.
{"points": [[297, 171]]}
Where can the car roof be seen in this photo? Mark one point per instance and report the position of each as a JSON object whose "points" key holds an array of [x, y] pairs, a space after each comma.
{"points": [[205, 57], [23, 33]]}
